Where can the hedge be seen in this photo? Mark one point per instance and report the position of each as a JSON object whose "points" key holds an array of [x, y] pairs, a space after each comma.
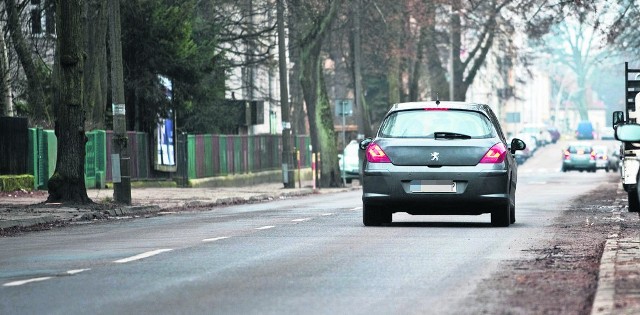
{"points": [[16, 182]]}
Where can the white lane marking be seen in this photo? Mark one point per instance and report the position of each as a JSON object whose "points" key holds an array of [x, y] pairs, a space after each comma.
{"points": [[142, 256], [301, 220], [76, 271], [265, 227], [215, 239], [355, 209], [326, 214], [21, 282]]}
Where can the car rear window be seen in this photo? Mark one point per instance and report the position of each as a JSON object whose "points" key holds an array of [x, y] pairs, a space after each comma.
{"points": [[424, 123], [579, 149]]}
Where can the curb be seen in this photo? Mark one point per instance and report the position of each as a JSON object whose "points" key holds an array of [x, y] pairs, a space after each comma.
{"points": [[603, 302], [5, 224]]}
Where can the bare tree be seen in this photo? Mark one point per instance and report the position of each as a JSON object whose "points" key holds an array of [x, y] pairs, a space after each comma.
{"points": [[67, 183], [6, 101], [313, 20], [33, 67]]}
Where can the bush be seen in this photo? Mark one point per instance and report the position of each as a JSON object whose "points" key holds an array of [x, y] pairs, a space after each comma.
{"points": [[16, 182]]}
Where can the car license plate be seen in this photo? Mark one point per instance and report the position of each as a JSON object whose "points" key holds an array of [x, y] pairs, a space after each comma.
{"points": [[433, 186]]}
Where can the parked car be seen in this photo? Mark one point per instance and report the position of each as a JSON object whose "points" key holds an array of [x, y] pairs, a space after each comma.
{"points": [[585, 131], [602, 157], [522, 156], [432, 158], [542, 135], [555, 134], [349, 163], [614, 159], [579, 156]]}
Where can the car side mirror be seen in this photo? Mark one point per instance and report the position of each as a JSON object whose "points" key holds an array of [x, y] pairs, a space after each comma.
{"points": [[618, 117], [628, 133], [517, 144], [365, 143]]}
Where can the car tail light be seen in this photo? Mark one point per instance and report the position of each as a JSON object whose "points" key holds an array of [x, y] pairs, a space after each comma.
{"points": [[496, 154], [375, 154], [567, 155], [593, 155]]}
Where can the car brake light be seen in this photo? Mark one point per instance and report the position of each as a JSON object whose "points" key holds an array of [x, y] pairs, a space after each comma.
{"points": [[376, 155], [496, 154], [593, 155], [436, 108], [567, 155]]}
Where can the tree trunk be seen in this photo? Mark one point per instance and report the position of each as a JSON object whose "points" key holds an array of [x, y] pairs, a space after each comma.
{"points": [[457, 69], [6, 101], [323, 138], [35, 91], [436, 73], [414, 85], [95, 70], [581, 99], [67, 183], [298, 114]]}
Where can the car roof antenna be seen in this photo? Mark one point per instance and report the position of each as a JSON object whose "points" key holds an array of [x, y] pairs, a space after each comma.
{"points": [[437, 99]]}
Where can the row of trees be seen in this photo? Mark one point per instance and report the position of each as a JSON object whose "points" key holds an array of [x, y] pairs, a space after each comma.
{"points": [[393, 50]]}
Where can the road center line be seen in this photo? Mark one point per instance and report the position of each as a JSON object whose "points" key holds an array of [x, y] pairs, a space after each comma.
{"points": [[265, 227], [355, 209], [76, 271], [301, 220], [142, 256], [215, 239], [21, 282], [326, 214]]}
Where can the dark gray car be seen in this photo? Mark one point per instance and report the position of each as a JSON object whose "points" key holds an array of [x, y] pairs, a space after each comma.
{"points": [[431, 158]]}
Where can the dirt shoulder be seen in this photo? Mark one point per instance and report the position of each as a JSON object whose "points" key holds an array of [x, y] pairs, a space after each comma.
{"points": [[562, 276]]}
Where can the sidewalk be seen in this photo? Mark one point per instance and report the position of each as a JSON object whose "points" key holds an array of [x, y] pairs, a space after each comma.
{"points": [[23, 210]]}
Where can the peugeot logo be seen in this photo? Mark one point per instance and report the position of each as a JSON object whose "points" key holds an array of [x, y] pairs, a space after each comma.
{"points": [[435, 156]]}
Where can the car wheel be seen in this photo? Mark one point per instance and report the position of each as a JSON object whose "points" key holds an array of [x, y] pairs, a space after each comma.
{"points": [[500, 215], [375, 216], [512, 214], [348, 180], [634, 202], [606, 170]]}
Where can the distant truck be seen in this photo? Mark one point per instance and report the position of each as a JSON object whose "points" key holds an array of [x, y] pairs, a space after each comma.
{"points": [[626, 127]]}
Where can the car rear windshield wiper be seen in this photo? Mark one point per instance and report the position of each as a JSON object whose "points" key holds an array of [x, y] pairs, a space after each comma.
{"points": [[450, 135]]}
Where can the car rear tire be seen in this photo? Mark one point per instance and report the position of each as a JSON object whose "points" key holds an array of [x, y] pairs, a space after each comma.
{"points": [[512, 214], [634, 202], [375, 216], [501, 216]]}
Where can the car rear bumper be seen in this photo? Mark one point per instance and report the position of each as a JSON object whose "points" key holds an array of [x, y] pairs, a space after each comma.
{"points": [[477, 191], [580, 165]]}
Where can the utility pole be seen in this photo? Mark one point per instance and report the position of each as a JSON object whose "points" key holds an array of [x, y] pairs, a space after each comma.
{"points": [[288, 177], [120, 156]]}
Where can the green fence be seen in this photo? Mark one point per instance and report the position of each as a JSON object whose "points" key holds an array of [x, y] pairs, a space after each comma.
{"points": [[206, 156]]}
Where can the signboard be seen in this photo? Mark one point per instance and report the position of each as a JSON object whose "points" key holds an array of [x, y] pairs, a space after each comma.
{"points": [[165, 159], [344, 107]]}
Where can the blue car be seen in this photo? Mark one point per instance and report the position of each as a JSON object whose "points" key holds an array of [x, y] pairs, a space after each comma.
{"points": [[585, 131]]}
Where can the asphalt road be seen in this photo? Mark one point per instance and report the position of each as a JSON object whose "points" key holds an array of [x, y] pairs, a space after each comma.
{"points": [[308, 255]]}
